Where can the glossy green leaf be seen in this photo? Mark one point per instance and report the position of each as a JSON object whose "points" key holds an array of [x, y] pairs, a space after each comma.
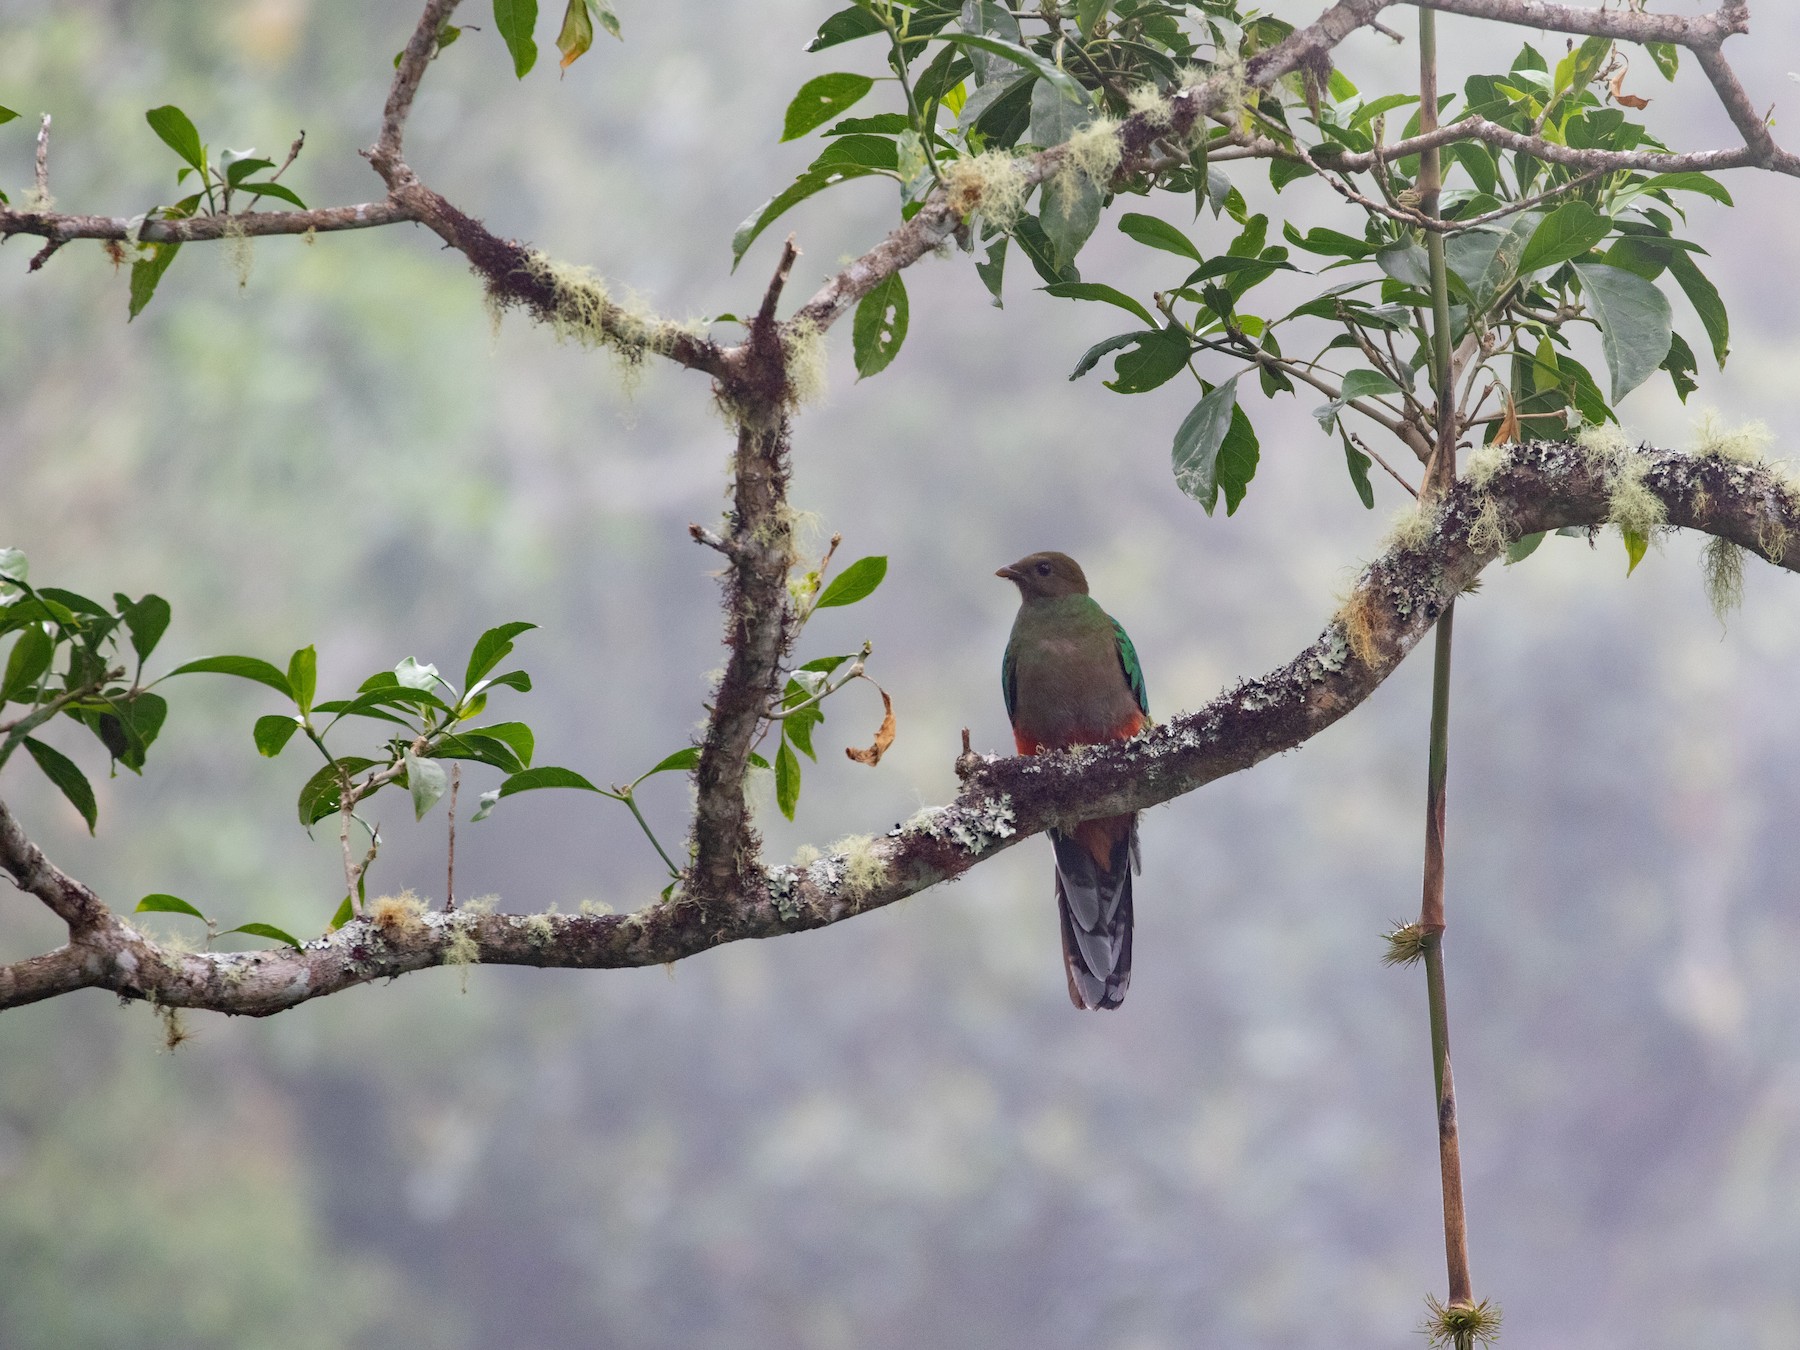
{"points": [[344, 914], [517, 22], [787, 780], [264, 930], [806, 185], [6, 115], [70, 781], [1195, 455], [1036, 246], [822, 98], [1667, 57], [684, 760], [146, 620], [1054, 116], [1069, 212], [167, 904], [482, 749], [516, 735], [547, 776], [279, 191], [873, 152], [798, 727], [146, 271], [1704, 184], [1154, 232], [1523, 547], [855, 582], [491, 648], [1567, 232], [426, 781], [178, 133], [1156, 359], [273, 732], [1635, 323], [320, 796], [1238, 459], [1636, 545], [1064, 83], [1099, 290], [26, 664], [243, 667], [1704, 297], [303, 676], [845, 26], [880, 326], [1358, 463]]}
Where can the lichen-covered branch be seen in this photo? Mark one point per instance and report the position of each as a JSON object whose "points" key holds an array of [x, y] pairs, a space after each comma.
{"points": [[1502, 496]]}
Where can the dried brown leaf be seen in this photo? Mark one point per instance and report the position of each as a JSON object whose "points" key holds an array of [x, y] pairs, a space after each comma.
{"points": [[883, 738], [1616, 87]]}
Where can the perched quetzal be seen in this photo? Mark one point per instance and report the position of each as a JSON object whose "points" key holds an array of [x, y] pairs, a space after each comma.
{"points": [[1071, 677]]}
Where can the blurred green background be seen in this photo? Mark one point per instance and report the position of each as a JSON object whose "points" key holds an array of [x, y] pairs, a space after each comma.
{"points": [[894, 1132]]}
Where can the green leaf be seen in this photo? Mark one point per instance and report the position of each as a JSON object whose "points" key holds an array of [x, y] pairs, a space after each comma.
{"points": [[513, 679], [1069, 211], [874, 152], [279, 191], [820, 99], [1636, 545], [273, 732], [806, 185], [1036, 246], [1099, 290], [992, 271], [167, 904], [1156, 359], [146, 272], [684, 760], [514, 734], [1680, 365], [146, 620], [880, 326], [482, 749], [426, 781], [787, 780], [303, 676], [1157, 233], [1567, 232], [320, 795], [517, 22], [845, 26], [1704, 184], [576, 35], [547, 776], [30, 658], [855, 582], [264, 930], [1523, 547], [1704, 297], [1358, 463], [798, 727], [1238, 458], [178, 133], [1634, 321], [1054, 116], [1022, 56], [244, 667], [1666, 55], [1197, 443], [343, 916], [14, 568], [6, 115], [61, 770], [491, 648]]}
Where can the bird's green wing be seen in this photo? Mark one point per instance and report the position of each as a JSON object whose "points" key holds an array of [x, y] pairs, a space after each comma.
{"points": [[1134, 673], [1009, 683]]}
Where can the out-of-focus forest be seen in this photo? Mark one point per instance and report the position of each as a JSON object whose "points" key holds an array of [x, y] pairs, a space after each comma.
{"points": [[894, 1132]]}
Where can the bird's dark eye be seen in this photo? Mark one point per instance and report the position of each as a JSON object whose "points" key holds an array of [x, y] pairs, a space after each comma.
{"points": [[1043, 569]]}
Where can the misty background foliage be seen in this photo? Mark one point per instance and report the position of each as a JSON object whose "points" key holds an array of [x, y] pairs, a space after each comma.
{"points": [[893, 1132]]}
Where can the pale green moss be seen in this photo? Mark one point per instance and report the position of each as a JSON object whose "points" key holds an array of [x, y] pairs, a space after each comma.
{"points": [[1411, 528], [587, 313], [240, 251], [1149, 102], [311, 236], [803, 344], [1632, 506], [1484, 463], [1487, 532], [804, 857], [1094, 152], [864, 868], [1722, 572], [1743, 445], [595, 909], [1604, 442]]}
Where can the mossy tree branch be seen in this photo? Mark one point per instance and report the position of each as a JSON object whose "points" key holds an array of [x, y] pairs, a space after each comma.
{"points": [[1399, 596]]}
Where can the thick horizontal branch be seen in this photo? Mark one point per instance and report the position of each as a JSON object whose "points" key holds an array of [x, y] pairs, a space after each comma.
{"points": [[1629, 25], [1542, 486], [63, 229]]}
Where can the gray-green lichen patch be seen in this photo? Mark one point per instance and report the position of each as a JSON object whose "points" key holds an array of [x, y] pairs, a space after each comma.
{"points": [[974, 829], [1328, 656], [782, 882]]}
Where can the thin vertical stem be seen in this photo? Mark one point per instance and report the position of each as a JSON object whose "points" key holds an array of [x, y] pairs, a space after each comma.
{"points": [[1438, 475], [450, 871]]}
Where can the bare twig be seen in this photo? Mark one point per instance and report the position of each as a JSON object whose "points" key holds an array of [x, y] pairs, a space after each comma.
{"points": [[42, 178]]}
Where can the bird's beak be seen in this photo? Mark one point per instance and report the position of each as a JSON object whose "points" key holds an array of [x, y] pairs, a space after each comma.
{"points": [[1009, 573]]}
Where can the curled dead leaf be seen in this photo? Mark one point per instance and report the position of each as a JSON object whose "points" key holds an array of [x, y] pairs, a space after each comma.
{"points": [[1616, 87], [883, 738], [1507, 433]]}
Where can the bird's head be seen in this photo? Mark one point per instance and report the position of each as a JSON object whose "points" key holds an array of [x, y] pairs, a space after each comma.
{"points": [[1043, 576]]}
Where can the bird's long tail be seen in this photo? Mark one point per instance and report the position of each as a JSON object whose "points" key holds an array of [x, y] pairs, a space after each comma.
{"points": [[1094, 863]]}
